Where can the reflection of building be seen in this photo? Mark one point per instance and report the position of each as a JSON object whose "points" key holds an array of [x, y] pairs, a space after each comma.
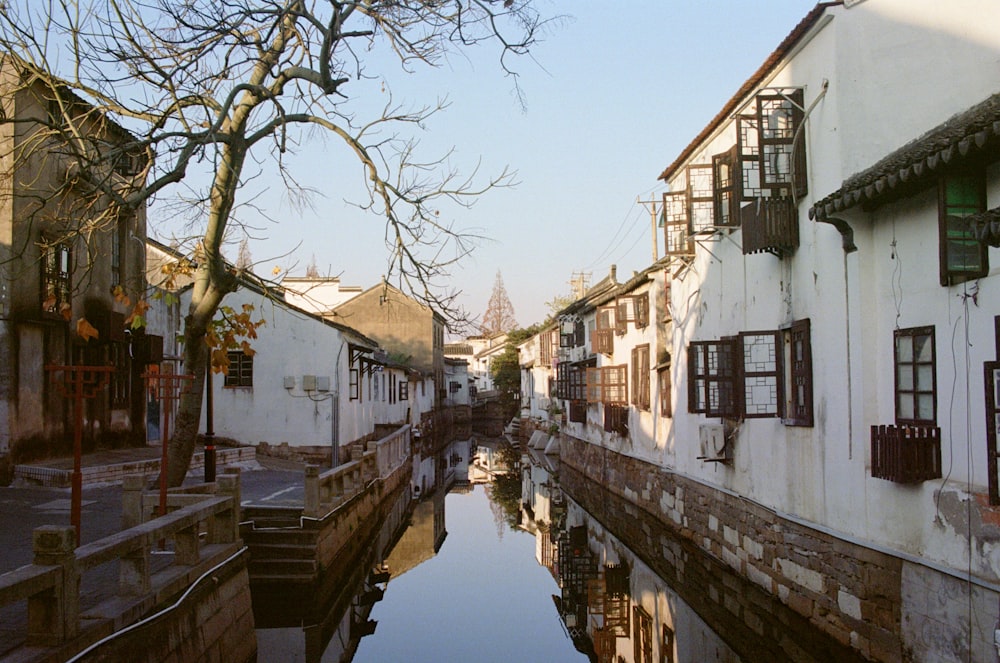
{"points": [[422, 538]]}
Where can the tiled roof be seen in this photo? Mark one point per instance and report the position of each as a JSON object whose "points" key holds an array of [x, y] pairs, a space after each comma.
{"points": [[975, 132]]}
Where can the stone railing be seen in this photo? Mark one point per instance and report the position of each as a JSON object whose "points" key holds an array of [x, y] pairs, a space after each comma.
{"points": [[51, 584], [326, 491]]}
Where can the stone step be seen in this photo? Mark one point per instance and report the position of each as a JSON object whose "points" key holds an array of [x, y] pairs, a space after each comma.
{"points": [[264, 551]]}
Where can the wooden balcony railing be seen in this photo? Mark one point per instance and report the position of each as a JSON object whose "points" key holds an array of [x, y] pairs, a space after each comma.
{"points": [[770, 225], [906, 454]]}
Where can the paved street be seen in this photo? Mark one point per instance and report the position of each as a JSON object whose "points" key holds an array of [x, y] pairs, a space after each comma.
{"points": [[23, 508]]}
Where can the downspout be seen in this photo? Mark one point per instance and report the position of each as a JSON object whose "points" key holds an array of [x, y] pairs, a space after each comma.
{"points": [[845, 230], [335, 410], [847, 234]]}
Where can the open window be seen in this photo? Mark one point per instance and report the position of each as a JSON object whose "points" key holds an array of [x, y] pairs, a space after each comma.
{"points": [[640, 376], [602, 340], [755, 374], [962, 257], [607, 384], [700, 199], [726, 195], [633, 309], [674, 220]]}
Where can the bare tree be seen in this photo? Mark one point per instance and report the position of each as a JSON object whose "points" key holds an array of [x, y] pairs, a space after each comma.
{"points": [[499, 316], [222, 87]]}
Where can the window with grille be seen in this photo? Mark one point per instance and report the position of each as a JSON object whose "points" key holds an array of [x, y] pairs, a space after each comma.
{"points": [[726, 205], [404, 390], [240, 372], [640, 376], [56, 265], [607, 384], [782, 159], [642, 635], [674, 220], [616, 418], [602, 339], [916, 381], [712, 374], [634, 309], [962, 256], [700, 199], [753, 375]]}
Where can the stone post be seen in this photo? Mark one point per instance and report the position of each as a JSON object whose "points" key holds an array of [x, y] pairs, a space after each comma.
{"points": [[54, 613], [132, 486], [227, 525], [312, 491]]}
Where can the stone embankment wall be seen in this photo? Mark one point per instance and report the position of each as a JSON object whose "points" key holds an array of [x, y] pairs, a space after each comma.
{"points": [[884, 607], [214, 623]]}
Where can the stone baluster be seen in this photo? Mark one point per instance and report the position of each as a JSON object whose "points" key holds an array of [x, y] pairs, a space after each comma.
{"points": [[132, 487], [54, 613]]}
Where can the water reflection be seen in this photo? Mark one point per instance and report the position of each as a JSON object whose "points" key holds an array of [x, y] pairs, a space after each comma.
{"points": [[631, 590], [550, 567]]}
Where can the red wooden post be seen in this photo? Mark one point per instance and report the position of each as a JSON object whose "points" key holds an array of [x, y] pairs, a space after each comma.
{"points": [[168, 387], [79, 383]]}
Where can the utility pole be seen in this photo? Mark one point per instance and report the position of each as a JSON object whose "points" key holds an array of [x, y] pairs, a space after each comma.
{"points": [[653, 211]]}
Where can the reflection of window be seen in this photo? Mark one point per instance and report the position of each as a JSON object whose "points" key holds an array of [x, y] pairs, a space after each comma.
{"points": [[55, 277], [963, 257], [240, 373], [642, 636], [667, 645], [916, 389]]}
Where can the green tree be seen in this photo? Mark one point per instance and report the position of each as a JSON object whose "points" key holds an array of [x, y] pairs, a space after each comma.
{"points": [[221, 87], [506, 373]]}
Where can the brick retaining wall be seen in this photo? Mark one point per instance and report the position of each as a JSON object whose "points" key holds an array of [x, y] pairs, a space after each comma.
{"points": [[848, 591]]}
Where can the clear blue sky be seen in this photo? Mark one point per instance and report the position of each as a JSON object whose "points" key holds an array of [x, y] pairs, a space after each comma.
{"points": [[613, 95]]}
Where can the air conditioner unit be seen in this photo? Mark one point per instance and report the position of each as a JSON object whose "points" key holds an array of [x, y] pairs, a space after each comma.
{"points": [[712, 443]]}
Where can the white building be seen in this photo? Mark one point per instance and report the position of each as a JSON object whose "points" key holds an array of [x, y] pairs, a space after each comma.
{"points": [[829, 311]]}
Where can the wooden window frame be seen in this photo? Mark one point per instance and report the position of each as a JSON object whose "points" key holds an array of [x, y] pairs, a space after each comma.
{"points": [[56, 274], [640, 377], [955, 232], [354, 384], [798, 374], [404, 390], [665, 389], [240, 371], [713, 374], [761, 374], [700, 199], [726, 191], [677, 239], [608, 384], [774, 141], [907, 382], [616, 418], [602, 339]]}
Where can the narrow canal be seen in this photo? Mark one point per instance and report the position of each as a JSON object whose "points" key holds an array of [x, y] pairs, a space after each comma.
{"points": [[520, 560]]}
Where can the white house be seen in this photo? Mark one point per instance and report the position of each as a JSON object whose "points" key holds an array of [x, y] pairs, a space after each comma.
{"points": [[830, 300]]}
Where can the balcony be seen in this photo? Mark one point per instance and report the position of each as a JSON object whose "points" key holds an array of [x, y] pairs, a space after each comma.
{"points": [[906, 454], [770, 225]]}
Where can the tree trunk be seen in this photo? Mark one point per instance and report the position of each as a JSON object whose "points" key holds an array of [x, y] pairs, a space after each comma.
{"points": [[185, 433]]}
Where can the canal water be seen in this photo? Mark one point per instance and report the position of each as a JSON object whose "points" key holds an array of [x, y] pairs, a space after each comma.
{"points": [[513, 558]]}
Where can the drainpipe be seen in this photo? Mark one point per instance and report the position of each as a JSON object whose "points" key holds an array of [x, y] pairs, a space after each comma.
{"points": [[845, 230]]}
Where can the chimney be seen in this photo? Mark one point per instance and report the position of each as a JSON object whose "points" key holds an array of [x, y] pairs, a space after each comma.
{"points": [[614, 273]]}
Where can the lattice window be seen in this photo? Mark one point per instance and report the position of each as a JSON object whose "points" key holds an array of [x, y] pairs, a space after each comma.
{"points": [[726, 194], [607, 384], [762, 395], [748, 149], [354, 384], [916, 380], [992, 382], [667, 645], [635, 309], [616, 418], [544, 349], [712, 371], [674, 219], [240, 372], [640, 376], [962, 256], [578, 381], [56, 265], [642, 635], [779, 115], [404, 390], [701, 194], [562, 380], [602, 340]]}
